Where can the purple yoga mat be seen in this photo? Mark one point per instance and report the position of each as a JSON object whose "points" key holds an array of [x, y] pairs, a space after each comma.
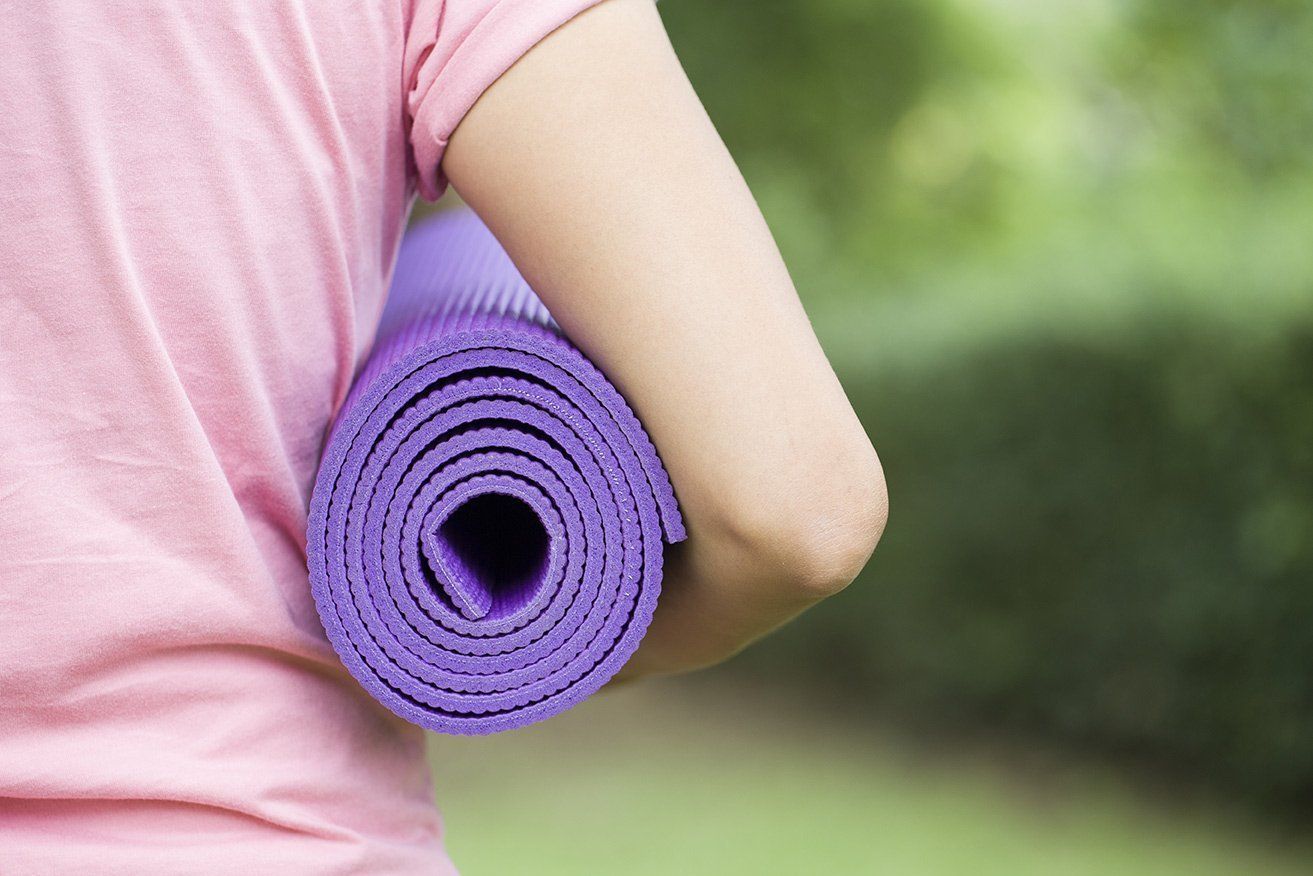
{"points": [[486, 531]]}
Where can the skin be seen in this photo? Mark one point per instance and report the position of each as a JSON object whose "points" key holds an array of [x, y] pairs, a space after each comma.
{"points": [[595, 164]]}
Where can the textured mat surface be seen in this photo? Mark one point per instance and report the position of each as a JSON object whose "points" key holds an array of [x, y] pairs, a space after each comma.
{"points": [[486, 531]]}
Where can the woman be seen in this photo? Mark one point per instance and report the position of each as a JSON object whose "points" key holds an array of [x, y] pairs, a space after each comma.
{"points": [[201, 206]]}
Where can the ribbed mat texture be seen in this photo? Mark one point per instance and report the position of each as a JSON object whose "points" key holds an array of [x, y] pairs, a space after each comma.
{"points": [[486, 531]]}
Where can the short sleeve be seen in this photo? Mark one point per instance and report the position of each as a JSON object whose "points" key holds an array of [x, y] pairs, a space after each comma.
{"points": [[455, 49]]}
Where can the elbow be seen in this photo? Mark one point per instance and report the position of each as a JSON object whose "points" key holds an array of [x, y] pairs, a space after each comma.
{"points": [[829, 548], [814, 540]]}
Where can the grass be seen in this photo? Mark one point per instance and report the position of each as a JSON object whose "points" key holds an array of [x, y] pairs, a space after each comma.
{"points": [[692, 778]]}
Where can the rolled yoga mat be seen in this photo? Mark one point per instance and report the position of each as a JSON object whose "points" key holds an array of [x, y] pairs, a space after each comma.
{"points": [[486, 531]]}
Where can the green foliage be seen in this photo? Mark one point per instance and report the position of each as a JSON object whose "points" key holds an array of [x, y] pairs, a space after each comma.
{"points": [[882, 137], [1107, 537], [1059, 251]]}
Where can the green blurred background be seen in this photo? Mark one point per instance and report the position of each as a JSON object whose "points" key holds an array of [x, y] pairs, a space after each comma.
{"points": [[1061, 254]]}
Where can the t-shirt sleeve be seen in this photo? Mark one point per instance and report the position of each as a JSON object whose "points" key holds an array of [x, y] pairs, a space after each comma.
{"points": [[455, 49]]}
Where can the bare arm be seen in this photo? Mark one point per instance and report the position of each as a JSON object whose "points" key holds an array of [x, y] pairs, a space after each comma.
{"points": [[595, 164]]}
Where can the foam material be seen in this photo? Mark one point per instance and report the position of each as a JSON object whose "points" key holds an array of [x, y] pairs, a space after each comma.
{"points": [[486, 531]]}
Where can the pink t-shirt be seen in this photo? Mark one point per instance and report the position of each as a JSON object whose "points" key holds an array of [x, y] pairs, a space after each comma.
{"points": [[200, 204]]}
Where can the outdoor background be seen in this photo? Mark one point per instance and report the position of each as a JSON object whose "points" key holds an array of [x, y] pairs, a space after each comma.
{"points": [[1061, 254]]}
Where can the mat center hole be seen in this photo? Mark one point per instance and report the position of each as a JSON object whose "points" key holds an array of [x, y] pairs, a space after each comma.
{"points": [[491, 555]]}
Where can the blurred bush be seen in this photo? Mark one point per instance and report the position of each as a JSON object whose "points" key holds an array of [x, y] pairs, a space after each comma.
{"points": [[1107, 535], [1060, 253]]}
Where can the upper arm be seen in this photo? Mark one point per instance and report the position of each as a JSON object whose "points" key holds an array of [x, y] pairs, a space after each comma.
{"points": [[595, 164]]}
